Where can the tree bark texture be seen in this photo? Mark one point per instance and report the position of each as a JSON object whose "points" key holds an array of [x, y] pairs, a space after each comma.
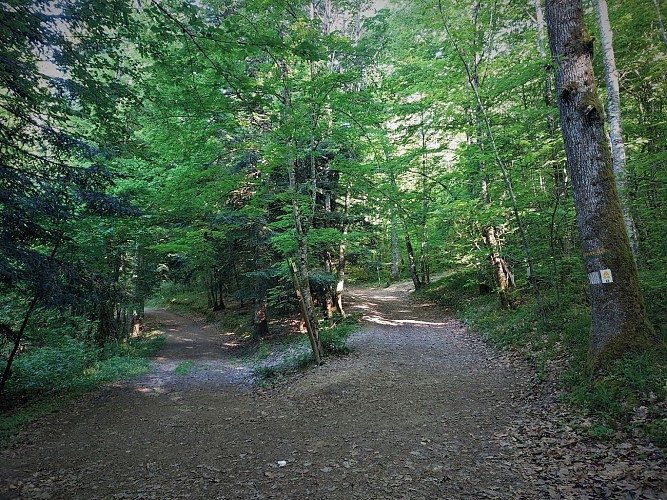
{"points": [[341, 254], [504, 275], [614, 110], [411, 259], [619, 319], [260, 322]]}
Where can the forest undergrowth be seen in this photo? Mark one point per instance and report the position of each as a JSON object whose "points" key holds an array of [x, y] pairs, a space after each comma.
{"points": [[61, 366], [629, 397]]}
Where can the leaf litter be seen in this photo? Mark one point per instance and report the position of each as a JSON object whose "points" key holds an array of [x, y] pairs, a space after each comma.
{"points": [[422, 408]]}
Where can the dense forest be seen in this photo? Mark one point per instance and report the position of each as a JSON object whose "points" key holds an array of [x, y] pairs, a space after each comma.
{"points": [[505, 158]]}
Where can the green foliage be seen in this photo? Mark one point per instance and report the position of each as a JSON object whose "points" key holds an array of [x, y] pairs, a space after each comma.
{"points": [[629, 395], [184, 368], [73, 366], [47, 377], [52, 368], [334, 337]]}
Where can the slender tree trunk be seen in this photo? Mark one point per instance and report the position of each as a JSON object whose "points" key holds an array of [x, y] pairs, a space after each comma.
{"points": [[619, 319], [504, 276], [302, 259], [313, 334], [660, 23], [301, 237], [423, 263], [341, 254], [489, 232], [17, 342], [411, 259], [19, 335], [394, 276], [329, 291], [615, 129], [260, 322]]}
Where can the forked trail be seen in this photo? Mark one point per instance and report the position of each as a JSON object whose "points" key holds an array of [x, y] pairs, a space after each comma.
{"points": [[421, 409]]}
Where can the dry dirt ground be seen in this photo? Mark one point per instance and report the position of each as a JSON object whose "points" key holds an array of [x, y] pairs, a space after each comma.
{"points": [[421, 409]]}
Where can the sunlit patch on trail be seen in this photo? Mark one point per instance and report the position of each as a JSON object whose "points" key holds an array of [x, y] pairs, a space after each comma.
{"points": [[385, 298], [151, 391], [379, 320]]}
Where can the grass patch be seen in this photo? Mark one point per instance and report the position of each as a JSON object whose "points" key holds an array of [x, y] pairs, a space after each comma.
{"points": [[184, 368], [630, 396], [334, 337], [269, 374]]}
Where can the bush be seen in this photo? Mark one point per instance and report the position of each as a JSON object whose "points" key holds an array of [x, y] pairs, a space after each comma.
{"points": [[51, 368], [334, 338]]}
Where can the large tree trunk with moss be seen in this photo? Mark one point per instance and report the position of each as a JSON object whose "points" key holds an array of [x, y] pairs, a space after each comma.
{"points": [[619, 320]]}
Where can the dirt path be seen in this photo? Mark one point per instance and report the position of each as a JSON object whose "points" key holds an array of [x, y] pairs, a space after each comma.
{"points": [[421, 409]]}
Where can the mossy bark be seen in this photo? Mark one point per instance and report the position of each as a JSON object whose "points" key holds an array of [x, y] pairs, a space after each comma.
{"points": [[619, 320]]}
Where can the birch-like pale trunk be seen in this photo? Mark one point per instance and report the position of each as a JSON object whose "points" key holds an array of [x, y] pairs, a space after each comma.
{"points": [[618, 314], [660, 23], [614, 111], [341, 253]]}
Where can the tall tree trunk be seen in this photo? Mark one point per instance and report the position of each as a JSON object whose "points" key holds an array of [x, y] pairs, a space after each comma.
{"points": [[393, 209], [18, 336], [302, 258], [489, 232], [660, 23], [558, 170], [411, 259], [394, 245], [341, 254], [473, 80], [301, 237], [260, 322], [423, 261], [619, 320], [614, 108]]}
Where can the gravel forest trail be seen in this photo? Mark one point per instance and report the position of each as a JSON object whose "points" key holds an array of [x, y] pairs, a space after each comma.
{"points": [[421, 409]]}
